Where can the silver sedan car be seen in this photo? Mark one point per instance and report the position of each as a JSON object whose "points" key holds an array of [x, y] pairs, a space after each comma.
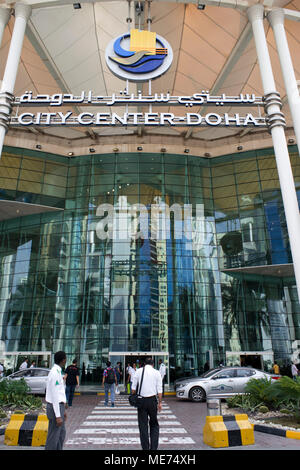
{"points": [[223, 382], [35, 377]]}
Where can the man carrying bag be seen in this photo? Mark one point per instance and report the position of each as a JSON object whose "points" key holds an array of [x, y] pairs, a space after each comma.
{"points": [[147, 384]]}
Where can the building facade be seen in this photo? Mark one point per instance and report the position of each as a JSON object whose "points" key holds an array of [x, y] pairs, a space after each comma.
{"points": [[182, 256], [149, 183]]}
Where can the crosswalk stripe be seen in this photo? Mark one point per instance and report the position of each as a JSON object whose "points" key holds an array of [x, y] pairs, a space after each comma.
{"points": [[126, 431], [109, 417], [119, 426], [129, 411], [122, 407], [129, 423], [127, 441]]}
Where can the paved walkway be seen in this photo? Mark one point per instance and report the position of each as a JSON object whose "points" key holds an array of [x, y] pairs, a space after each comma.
{"points": [[92, 426]]}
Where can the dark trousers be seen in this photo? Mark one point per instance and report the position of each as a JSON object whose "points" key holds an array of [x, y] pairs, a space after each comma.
{"points": [[56, 434], [147, 418], [70, 389]]}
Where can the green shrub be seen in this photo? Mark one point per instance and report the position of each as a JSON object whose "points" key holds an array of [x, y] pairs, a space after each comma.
{"points": [[260, 390], [15, 394], [288, 391], [285, 411], [263, 409], [245, 402]]}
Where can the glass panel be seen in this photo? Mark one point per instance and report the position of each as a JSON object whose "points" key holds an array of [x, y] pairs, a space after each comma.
{"points": [[176, 282]]}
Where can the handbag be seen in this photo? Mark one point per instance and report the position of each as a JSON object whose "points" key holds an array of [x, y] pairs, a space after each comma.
{"points": [[136, 400]]}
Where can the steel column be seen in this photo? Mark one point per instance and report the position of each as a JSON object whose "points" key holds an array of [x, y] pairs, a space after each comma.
{"points": [[276, 127]]}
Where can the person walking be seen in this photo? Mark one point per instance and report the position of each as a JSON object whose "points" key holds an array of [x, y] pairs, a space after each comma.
{"points": [[72, 381], [24, 364], [56, 402], [162, 371], [109, 381], [147, 414], [132, 372], [294, 370]]}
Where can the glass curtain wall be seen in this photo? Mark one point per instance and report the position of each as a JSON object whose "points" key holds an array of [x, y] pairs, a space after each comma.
{"points": [[145, 256]]}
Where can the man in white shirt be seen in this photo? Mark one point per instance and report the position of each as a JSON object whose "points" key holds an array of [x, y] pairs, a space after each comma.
{"points": [[56, 400], [147, 414], [24, 364], [162, 371]]}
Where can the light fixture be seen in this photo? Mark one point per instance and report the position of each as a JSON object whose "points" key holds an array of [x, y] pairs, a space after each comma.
{"points": [[200, 6], [207, 154], [76, 6], [139, 148], [70, 154], [291, 141], [38, 146], [163, 150], [92, 150], [115, 149], [240, 147], [186, 150]]}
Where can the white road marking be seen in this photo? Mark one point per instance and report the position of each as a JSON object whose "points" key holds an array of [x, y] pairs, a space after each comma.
{"points": [[109, 417], [114, 411], [118, 426], [127, 441], [134, 430], [128, 423]]}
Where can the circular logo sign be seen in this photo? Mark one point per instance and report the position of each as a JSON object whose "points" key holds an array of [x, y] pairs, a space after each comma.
{"points": [[139, 56]]}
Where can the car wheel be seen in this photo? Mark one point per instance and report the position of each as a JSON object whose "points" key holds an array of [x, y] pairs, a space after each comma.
{"points": [[197, 394]]}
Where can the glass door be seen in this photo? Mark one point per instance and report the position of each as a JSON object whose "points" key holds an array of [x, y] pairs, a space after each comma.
{"points": [[129, 358]]}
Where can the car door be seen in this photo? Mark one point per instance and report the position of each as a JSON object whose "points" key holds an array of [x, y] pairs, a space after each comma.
{"points": [[243, 375], [222, 383], [37, 381]]}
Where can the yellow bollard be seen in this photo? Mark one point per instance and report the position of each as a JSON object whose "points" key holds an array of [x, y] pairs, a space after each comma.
{"points": [[26, 430], [228, 431]]}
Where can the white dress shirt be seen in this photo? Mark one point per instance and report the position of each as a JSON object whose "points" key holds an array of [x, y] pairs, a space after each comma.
{"points": [[24, 365], [162, 370], [152, 382], [132, 373], [55, 390]]}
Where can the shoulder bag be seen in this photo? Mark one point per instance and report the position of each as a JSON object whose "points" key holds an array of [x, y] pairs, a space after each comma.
{"points": [[136, 400]]}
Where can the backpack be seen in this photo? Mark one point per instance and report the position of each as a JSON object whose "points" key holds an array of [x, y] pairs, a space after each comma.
{"points": [[110, 377]]}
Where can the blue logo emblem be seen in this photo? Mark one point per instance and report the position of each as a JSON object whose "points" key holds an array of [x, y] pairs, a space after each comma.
{"points": [[139, 56]]}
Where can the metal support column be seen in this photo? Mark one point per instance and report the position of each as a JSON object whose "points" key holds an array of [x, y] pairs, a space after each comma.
{"points": [[276, 19], [22, 14], [276, 127]]}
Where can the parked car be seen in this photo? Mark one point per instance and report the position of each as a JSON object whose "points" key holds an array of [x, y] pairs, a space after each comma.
{"points": [[35, 377], [223, 382]]}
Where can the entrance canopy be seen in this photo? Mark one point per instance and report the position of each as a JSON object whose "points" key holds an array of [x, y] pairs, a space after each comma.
{"points": [[213, 48]]}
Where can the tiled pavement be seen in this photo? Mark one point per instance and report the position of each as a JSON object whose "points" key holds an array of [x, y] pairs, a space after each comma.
{"points": [[91, 426], [118, 427]]}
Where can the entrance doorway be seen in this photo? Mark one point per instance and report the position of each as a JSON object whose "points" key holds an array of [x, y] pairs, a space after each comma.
{"points": [[138, 358], [261, 360], [250, 360]]}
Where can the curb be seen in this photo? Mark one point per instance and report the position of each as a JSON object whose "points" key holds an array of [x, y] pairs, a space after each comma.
{"points": [[277, 431]]}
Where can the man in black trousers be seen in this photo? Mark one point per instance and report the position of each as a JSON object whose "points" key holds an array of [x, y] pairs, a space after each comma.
{"points": [[147, 414]]}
